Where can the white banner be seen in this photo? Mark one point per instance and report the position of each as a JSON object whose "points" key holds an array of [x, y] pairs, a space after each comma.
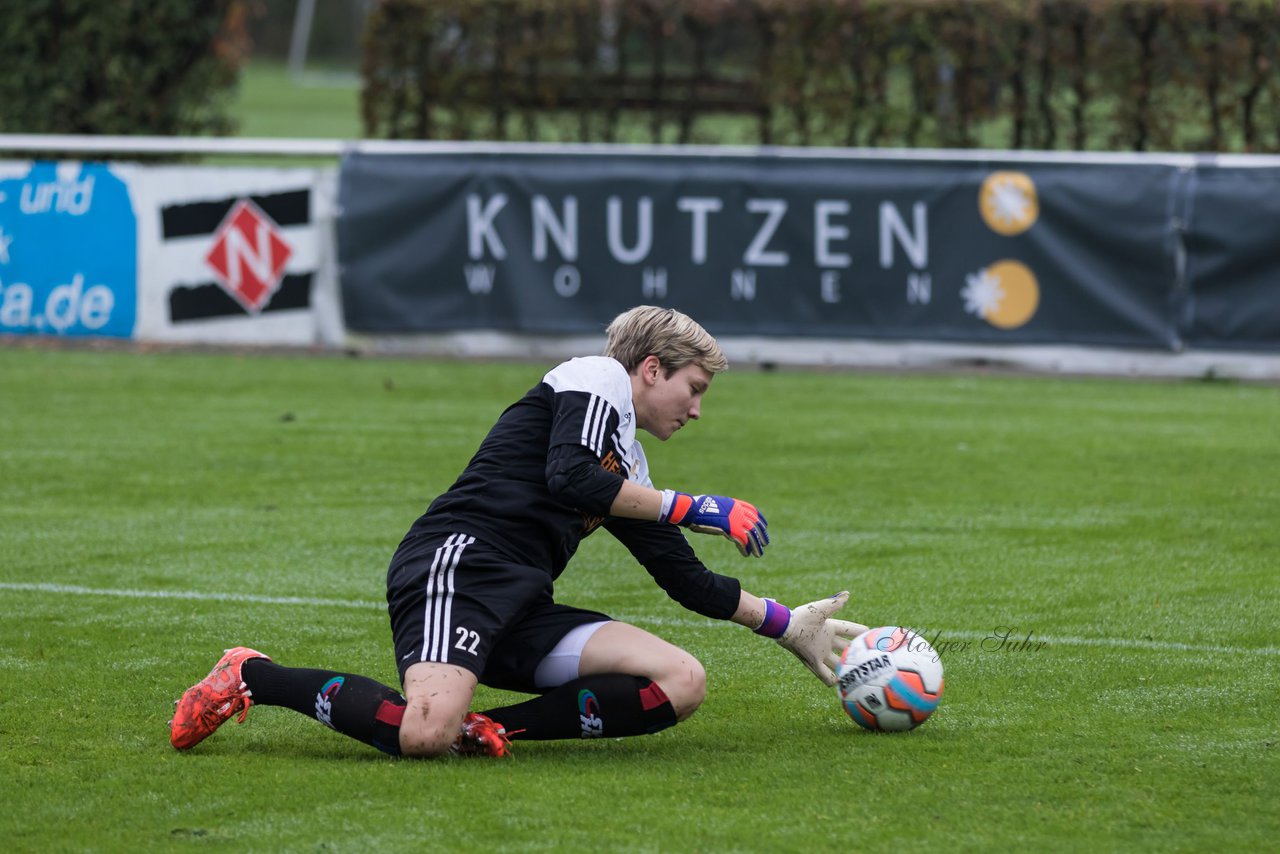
{"points": [[231, 255]]}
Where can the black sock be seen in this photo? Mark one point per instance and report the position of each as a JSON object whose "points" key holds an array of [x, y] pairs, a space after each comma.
{"points": [[607, 705], [355, 706]]}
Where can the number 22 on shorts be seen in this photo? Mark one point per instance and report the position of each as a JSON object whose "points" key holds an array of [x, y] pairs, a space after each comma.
{"points": [[467, 640]]}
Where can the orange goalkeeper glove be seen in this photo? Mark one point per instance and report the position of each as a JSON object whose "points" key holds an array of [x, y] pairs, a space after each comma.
{"points": [[717, 514]]}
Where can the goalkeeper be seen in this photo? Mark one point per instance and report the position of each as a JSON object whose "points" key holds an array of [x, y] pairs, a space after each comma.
{"points": [[470, 589]]}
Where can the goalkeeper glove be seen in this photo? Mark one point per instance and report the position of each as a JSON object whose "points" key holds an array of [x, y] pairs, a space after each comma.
{"points": [[716, 514], [810, 634]]}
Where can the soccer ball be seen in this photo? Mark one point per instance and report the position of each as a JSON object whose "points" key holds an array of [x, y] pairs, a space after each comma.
{"points": [[889, 679]]}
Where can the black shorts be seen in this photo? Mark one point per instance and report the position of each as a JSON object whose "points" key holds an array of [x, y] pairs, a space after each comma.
{"points": [[456, 600]]}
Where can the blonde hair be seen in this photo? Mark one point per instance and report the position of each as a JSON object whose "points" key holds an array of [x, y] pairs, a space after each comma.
{"points": [[675, 338]]}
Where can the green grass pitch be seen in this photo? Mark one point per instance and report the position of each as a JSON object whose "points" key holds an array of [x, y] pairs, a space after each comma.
{"points": [[158, 507], [267, 103]]}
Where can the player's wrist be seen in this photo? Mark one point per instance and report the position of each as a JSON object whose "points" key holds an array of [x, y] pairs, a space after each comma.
{"points": [[675, 506], [776, 620]]}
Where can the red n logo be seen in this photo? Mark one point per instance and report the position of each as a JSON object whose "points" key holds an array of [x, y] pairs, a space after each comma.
{"points": [[249, 255]]}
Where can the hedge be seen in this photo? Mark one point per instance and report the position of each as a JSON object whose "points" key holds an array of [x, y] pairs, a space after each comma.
{"points": [[120, 67], [1174, 75]]}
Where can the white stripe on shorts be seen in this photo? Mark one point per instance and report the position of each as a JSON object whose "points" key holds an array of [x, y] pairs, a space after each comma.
{"points": [[439, 606]]}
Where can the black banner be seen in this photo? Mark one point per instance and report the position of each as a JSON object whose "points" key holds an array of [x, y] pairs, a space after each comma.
{"points": [[876, 248], [1232, 276]]}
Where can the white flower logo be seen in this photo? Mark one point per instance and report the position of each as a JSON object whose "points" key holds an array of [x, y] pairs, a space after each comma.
{"points": [[1006, 294], [982, 293], [1008, 202]]}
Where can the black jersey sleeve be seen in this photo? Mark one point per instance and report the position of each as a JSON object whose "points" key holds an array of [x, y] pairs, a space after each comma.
{"points": [[583, 419], [576, 477], [668, 557]]}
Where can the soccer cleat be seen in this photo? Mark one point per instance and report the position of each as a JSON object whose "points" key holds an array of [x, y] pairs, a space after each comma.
{"points": [[481, 736], [212, 701]]}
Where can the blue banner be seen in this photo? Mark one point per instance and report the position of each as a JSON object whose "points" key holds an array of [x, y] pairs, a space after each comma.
{"points": [[68, 252]]}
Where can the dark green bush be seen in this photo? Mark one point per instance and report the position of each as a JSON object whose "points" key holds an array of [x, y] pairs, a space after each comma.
{"points": [[1048, 74], [119, 67]]}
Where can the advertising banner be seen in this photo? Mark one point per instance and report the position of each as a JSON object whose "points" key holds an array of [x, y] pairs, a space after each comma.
{"points": [[68, 261], [236, 255], [760, 245], [1141, 252], [1232, 275]]}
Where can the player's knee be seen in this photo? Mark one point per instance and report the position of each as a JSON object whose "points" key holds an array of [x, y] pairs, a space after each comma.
{"points": [[424, 745], [686, 687], [423, 738]]}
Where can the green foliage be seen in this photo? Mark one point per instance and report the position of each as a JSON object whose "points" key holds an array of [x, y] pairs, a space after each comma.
{"points": [[1129, 525], [123, 67], [1080, 74]]}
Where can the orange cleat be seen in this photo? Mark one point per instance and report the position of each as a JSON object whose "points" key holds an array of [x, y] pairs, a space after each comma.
{"points": [[481, 736], [212, 701]]}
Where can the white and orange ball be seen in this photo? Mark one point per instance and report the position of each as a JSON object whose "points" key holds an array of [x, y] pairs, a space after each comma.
{"points": [[889, 678]]}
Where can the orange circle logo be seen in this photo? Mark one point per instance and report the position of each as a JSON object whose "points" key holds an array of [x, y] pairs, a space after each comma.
{"points": [[1008, 202], [1006, 294]]}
